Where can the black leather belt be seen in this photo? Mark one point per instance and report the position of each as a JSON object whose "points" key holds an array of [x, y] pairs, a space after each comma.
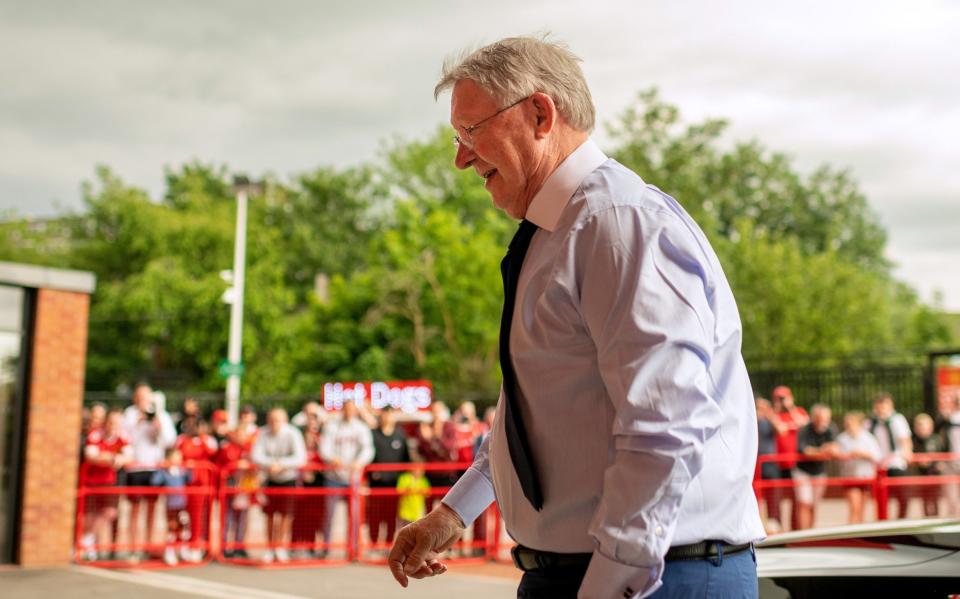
{"points": [[528, 560], [704, 550]]}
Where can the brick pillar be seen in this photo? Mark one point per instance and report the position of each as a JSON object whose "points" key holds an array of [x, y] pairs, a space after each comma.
{"points": [[53, 424]]}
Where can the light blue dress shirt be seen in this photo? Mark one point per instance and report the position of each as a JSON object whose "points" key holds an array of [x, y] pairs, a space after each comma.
{"points": [[626, 344]]}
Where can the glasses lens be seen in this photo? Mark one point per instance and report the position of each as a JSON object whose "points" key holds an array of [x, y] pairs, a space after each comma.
{"points": [[462, 141]]}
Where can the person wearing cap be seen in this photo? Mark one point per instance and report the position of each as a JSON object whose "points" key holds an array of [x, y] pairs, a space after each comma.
{"points": [[623, 450], [792, 418], [220, 423]]}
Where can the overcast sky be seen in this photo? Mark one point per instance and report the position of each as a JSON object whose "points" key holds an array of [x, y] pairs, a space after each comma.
{"points": [[288, 86]]}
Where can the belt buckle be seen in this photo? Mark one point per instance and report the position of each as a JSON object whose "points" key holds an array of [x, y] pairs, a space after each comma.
{"points": [[518, 554]]}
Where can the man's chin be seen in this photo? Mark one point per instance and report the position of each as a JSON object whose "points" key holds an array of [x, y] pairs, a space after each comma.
{"points": [[509, 207]]}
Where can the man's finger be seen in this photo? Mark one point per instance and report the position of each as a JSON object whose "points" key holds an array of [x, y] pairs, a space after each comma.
{"points": [[431, 569], [417, 557], [398, 555]]}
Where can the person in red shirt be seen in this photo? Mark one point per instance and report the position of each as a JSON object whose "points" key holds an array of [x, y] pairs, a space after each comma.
{"points": [[234, 457], [792, 418], [309, 511], [460, 435], [428, 446], [107, 449], [461, 432], [198, 450]]}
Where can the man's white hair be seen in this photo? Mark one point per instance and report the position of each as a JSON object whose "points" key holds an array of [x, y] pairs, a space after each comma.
{"points": [[516, 67]]}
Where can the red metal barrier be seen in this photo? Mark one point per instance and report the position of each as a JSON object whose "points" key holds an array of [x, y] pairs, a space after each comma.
{"points": [[879, 485], [156, 523], [225, 512], [500, 541], [909, 487], [387, 508], [279, 524]]}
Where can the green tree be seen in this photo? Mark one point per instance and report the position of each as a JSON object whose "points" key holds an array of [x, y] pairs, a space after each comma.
{"points": [[425, 302], [823, 212], [412, 248], [818, 305]]}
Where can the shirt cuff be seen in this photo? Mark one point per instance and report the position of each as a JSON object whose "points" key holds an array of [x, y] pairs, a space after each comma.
{"points": [[609, 579], [472, 494]]}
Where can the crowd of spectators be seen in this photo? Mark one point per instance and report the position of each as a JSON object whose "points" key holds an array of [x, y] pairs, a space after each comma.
{"points": [[884, 440], [164, 457]]}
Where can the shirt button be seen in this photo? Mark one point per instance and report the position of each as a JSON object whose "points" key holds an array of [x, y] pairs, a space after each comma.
{"points": [[658, 531]]}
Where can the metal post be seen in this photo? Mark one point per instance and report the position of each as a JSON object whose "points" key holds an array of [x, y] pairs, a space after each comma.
{"points": [[234, 350]]}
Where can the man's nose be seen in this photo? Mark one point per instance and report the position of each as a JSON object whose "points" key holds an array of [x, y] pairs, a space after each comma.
{"points": [[465, 156]]}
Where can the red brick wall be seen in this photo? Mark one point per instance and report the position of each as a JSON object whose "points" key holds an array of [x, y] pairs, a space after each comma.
{"points": [[53, 425]]}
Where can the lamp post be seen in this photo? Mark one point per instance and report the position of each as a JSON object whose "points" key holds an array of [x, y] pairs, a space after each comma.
{"points": [[242, 187]]}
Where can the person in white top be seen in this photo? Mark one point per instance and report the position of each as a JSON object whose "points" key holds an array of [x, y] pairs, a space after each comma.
{"points": [[949, 430], [896, 446], [279, 452], [861, 454], [346, 446], [151, 432], [623, 450]]}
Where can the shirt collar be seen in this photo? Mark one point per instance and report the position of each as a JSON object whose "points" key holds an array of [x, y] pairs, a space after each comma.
{"points": [[546, 206]]}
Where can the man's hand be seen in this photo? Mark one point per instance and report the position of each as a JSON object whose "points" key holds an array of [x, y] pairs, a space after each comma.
{"points": [[415, 551]]}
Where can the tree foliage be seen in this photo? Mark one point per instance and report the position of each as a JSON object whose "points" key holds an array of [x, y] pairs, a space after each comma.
{"points": [[411, 248], [823, 212]]}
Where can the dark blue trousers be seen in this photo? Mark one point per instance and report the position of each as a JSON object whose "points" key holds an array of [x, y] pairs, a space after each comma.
{"points": [[728, 577]]}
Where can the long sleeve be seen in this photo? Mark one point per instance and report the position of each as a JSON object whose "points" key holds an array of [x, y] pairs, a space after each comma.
{"points": [[168, 433], [299, 456], [872, 447], [258, 455], [365, 455], [327, 441], [131, 417], [473, 493], [646, 294]]}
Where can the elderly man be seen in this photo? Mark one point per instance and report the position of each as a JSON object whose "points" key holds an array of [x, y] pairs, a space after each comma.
{"points": [[625, 439], [818, 439]]}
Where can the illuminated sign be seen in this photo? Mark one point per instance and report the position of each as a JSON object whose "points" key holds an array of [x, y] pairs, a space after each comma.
{"points": [[948, 381], [408, 396]]}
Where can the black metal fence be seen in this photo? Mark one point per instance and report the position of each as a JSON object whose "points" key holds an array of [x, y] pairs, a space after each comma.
{"points": [[847, 389], [208, 401], [908, 377], [843, 389]]}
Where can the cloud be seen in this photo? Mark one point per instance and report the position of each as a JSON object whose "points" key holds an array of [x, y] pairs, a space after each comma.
{"points": [[292, 85]]}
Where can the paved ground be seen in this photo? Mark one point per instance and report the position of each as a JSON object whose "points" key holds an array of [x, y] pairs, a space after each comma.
{"points": [[227, 582], [463, 581]]}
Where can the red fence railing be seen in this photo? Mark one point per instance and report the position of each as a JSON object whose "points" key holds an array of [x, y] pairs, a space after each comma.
{"points": [[879, 484], [318, 516]]}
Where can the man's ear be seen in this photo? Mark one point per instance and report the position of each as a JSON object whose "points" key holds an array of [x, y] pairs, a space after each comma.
{"points": [[545, 112]]}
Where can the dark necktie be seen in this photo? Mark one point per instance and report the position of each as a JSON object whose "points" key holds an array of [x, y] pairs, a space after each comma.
{"points": [[517, 441], [890, 439]]}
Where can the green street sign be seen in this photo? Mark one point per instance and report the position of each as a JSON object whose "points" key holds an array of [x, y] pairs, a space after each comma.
{"points": [[228, 369]]}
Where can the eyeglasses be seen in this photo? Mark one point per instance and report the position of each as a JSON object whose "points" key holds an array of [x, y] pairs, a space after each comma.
{"points": [[467, 138]]}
